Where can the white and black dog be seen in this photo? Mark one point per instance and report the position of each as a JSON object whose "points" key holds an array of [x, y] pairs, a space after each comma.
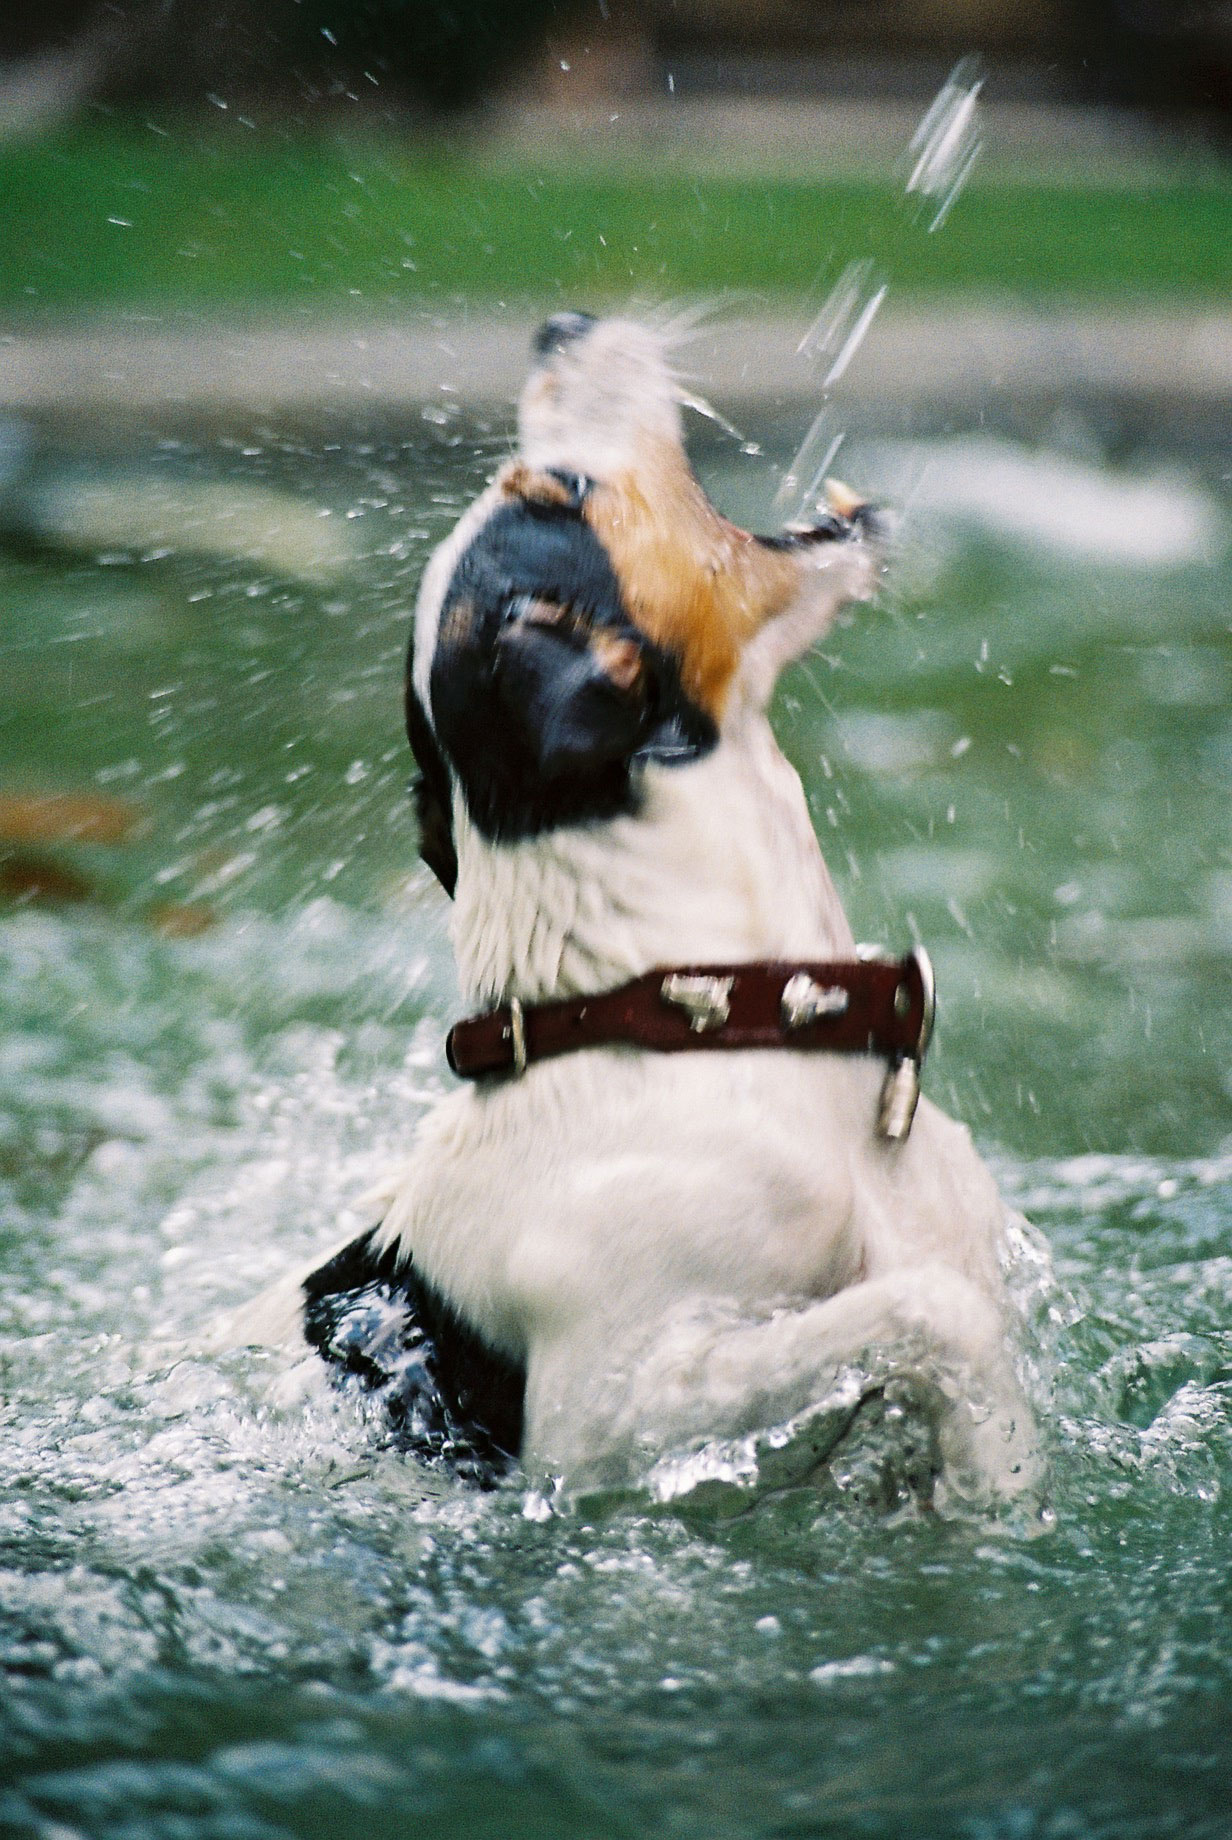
{"points": [[600, 1256]]}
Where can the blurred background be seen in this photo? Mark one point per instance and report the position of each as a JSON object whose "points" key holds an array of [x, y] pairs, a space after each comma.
{"points": [[270, 272], [277, 154], [282, 54]]}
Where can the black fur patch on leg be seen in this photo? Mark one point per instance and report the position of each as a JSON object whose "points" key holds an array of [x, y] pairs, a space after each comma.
{"points": [[450, 1398]]}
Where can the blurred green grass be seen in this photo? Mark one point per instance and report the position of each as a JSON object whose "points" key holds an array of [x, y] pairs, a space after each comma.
{"points": [[124, 217]]}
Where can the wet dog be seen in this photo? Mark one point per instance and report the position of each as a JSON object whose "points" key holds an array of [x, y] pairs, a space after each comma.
{"points": [[599, 1256]]}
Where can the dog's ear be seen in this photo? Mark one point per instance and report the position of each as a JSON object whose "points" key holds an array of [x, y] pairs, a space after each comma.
{"points": [[431, 792], [546, 712], [579, 695]]}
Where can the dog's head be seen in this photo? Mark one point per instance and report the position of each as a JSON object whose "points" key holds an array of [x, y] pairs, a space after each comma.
{"points": [[593, 618]]}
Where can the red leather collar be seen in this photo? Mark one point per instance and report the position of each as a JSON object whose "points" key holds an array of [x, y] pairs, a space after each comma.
{"points": [[873, 1004]]}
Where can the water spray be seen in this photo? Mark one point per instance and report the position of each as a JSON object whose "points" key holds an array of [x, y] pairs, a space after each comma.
{"points": [[939, 159]]}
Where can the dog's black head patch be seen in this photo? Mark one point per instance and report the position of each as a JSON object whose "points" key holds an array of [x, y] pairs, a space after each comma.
{"points": [[545, 696]]}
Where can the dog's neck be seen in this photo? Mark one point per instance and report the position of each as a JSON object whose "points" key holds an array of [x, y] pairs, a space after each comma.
{"points": [[720, 864]]}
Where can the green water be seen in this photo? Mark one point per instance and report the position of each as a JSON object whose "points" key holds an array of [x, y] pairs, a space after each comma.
{"points": [[225, 1609]]}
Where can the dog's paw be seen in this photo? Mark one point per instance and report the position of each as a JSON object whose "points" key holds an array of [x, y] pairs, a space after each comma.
{"points": [[849, 539], [846, 515]]}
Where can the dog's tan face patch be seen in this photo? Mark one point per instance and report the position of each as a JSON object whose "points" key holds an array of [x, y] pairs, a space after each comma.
{"points": [[535, 610], [535, 487], [620, 660], [694, 583]]}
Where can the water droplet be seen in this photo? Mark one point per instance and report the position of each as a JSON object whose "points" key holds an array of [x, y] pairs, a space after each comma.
{"points": [[947, 142], [809, 465], [832, 340], [838, 330], [699, 404]]}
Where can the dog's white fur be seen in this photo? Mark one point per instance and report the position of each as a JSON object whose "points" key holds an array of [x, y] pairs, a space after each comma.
{"points": [[690, 1246]]}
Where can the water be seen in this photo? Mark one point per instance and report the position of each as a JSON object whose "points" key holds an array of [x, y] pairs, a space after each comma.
{"points": [[939, 161], [226, 1609], [947, 143]]}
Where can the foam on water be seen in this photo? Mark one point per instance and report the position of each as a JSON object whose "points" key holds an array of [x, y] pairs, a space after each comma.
{"points": [[196, 1194]]}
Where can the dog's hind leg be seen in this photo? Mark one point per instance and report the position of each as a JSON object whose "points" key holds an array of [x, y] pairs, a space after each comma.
{"points": [[447, 1397]]}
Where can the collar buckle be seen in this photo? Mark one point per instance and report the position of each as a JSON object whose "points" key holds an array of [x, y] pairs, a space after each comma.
{"points": [[900, 1093]]}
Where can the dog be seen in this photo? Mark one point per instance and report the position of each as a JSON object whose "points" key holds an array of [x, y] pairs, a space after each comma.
{"points": [[600, 1256]]}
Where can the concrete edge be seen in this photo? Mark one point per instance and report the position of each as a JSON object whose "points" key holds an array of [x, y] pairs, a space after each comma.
{"points": [[957, 352]]}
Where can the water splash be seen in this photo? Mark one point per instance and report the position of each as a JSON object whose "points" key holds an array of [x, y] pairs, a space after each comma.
{"points": [[942, 152], [832, 340], [812, 461], [700, 406], [947, 143], [838, 331]]}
